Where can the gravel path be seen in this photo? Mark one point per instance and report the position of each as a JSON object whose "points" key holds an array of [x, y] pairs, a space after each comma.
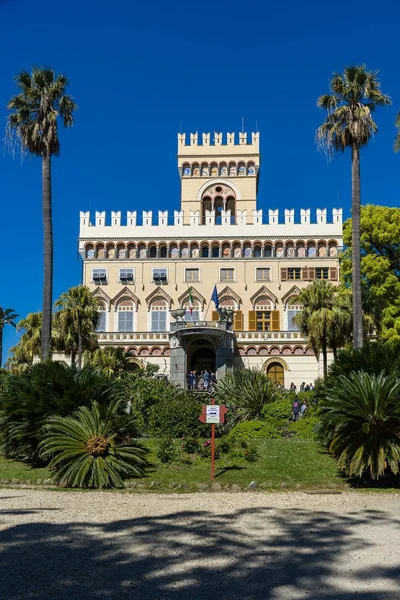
{"points": [[248, 546]]}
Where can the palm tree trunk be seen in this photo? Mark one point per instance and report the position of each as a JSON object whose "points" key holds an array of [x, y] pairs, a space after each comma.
{"points": [[325, 358], [1, 346], [356, 252], [80, 346], [48, 257]]}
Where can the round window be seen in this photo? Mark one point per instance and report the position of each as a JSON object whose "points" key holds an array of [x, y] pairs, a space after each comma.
{"points": [[218, 189]]}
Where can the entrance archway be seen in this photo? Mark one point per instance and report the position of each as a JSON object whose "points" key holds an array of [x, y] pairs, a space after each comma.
{"points": [[276, 372], [201, 356]]}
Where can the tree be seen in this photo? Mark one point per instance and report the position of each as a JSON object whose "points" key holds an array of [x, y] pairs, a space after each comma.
{"points": [[7, 317], [33, 123], [349, 124], [363, 411], [112, 361], [77, 320], [325, 318], [380, 267], [30, 343], [247, 392], [397, 140], [88, 450]]}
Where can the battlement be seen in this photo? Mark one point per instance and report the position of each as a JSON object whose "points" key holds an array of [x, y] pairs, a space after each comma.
{"points": [[230, 144], [131, 224]]}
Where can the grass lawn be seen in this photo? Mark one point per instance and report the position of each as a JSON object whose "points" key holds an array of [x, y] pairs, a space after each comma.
{"points": [[297, 464]]}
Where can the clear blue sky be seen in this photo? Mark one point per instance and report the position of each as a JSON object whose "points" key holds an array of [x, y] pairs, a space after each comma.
{"points": [[139, 69]]}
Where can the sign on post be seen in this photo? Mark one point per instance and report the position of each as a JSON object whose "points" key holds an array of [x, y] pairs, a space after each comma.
{"points": [[213, 414]]}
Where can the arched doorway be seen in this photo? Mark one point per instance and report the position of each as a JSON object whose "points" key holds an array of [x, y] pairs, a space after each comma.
{"points": [[201, 356], [276, 372]]}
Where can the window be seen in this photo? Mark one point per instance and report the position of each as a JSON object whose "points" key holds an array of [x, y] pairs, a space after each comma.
{"points": [[102, 322], [126, 276], [275, 371], [263, 320], [125, 315], [160, 276], [322, 273], [204, 252], [257, 251], [125, 321], [227, 275], [294, 273], [192, 275], [194, 314], [292, 309], [262, 274], [99, 276], [158, 315]]}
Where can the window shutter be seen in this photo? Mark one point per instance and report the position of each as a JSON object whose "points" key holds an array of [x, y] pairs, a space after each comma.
{"points": [[333, 273], [252, 320], [162, 320], [311, 273], [154, 320], [275, 320], [284, 274], [238, 321], [215, 315], [305, 274]]}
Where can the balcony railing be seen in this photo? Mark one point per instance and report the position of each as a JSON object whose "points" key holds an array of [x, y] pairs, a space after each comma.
{"points": [[269, 336], [163, 337], [142, 336]]}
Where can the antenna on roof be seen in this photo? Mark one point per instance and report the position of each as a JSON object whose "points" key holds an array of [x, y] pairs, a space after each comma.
{"points": [[180, 126], [242, 124], [256, 126]]}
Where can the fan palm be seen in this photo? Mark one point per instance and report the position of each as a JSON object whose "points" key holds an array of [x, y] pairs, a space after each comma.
{"points": [[247, 392], [7, 317], [325, 318], [363, 411], [112, 361], [349, 124], [88, 450], [77, 320], [30, 343], [33, 123]]}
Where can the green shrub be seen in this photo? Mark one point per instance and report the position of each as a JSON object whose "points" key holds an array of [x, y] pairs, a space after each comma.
{"points": [[166, 452], [176, 417], [190, 445], [251, 453], [305, 427], [254, 429], [279, 412], [44, 390], [306, 397], [88, 451]]}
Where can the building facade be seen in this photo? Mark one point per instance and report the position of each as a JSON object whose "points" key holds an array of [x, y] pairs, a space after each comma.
{"points": [[154, 275]]}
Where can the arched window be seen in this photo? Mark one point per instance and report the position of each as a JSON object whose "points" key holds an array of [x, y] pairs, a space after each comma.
{"points": [[292, 309], [152, 251], [257, 251], [142, 250], [276, 372], [268, 250], [163, 251], [89, 251], [102, 322], [218, 207], [158, 315], [125, 309], [204, 251], [215, 251], [206, 207]]}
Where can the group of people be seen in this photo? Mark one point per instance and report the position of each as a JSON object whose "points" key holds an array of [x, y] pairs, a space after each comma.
{"points": [[305, 387], [202, 381], [298, 409]]}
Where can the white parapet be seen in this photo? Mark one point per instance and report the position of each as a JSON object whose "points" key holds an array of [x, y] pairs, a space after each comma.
{"points": [[289, 216], [321, 215], [100, 218], [178, 217], [147, 218], [257, 216], [116, 218], [206, 139], [163, 217], [337, 214], [305, 215], [131, 217], [273, 216]]}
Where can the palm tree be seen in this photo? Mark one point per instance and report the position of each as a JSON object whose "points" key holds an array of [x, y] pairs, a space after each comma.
{"points": [[77, 320], [30, 343], [349, 124], [112, 361], [7, 317], [324, 318], [397, 140], [33, 123], [362, 410]]}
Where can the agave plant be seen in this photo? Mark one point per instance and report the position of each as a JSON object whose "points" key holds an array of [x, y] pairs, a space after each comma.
{"points": [[247, 391], [363, 412], [89, 450]]}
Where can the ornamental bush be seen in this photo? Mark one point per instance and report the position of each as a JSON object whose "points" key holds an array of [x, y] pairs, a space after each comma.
{"points": [[176, 417], [254, 429], [304, 428], [279, 412]]}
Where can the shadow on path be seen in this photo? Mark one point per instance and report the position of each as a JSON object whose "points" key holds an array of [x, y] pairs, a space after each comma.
{"points": [[251, 554]]}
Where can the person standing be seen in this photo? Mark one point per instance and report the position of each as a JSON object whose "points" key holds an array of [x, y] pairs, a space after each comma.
{"points": [[295, 410], [207, 376]]}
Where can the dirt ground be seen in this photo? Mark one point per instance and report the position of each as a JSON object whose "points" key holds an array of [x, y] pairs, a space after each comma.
{"points": [[223, 546]]}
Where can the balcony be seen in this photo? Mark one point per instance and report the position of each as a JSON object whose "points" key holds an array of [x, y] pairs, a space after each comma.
{"points": [[269, 336], [138, 337]]}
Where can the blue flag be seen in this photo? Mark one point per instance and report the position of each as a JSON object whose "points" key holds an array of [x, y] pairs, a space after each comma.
{"points": [[214, 297]]}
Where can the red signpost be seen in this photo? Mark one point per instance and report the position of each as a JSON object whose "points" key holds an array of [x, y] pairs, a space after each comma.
{"points": [[213, 414]]}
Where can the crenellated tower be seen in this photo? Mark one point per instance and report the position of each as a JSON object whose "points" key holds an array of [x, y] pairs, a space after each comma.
{"points": [[218, 176]]}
